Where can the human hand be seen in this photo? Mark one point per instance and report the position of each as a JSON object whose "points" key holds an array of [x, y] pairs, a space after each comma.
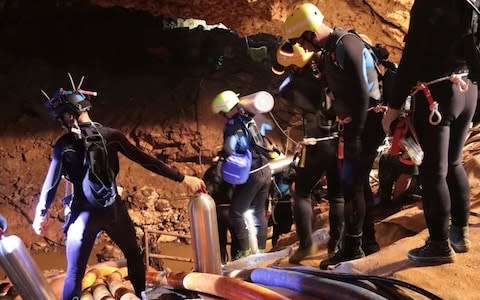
{"points": [[40, 225], [391, 115], [194, 183]]}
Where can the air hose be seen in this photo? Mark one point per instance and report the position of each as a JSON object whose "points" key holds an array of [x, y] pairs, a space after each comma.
{"points": [[323, 288], [356, 277]]}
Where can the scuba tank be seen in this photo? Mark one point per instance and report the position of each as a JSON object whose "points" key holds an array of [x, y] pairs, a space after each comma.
{"points": [[281, 164], [204, 231], [21, 269], [260, 102]]}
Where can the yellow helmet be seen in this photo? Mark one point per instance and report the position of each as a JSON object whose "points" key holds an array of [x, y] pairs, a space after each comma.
{"points": [[224, 102], [288, 55], [305, 17]]}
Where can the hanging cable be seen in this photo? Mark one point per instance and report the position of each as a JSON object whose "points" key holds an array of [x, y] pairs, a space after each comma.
{"points": [[281, 130]]}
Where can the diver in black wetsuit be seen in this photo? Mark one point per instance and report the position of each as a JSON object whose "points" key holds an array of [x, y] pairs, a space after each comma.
{"points": [[318, 158], [85, 220], [354, 85], [434, 49]]}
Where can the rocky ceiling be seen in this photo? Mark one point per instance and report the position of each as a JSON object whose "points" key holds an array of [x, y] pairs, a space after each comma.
{"points": [[384, 21]]}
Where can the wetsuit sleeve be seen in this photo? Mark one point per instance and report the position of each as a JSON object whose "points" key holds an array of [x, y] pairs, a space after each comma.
{"points": [[148, 162], [415, 45], [354, 65], [50, 184]]}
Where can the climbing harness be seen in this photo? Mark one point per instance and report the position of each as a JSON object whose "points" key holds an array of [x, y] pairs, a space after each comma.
{"points": [[378, 108], [301, 147], [341, 142], [313, 141], [435, 117], [410, 144]]}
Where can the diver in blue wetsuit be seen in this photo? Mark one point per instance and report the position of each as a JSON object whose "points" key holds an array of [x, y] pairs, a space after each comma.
{"points": [[241, 135], [86, 220]]}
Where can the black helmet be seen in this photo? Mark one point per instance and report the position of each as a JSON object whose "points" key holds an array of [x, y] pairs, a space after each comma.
{"points": [[68, 100]]}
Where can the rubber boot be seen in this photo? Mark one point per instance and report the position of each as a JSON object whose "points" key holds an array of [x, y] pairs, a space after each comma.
{"points": [[352, 249], [336, 220], [369, 243], [386, 180], [242, 254], [301, 254], [433, 252], [243, 249], [333, 247], [459, 238]]}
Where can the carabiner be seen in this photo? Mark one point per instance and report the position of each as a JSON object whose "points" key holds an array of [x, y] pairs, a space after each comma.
{"points": [[434, 113]]}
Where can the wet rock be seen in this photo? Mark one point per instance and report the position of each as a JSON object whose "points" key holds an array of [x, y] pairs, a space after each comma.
{"points": [[109, 252], [180, 204], [166, 238], [39, 246], [162, 205]]}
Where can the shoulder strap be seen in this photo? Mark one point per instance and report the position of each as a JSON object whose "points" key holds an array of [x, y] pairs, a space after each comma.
{"points": [[256, 138], [339, 50]]}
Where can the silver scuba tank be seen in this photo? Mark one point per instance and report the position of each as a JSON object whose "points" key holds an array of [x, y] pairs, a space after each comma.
{"points": [[22, 270], [281, 164], [204, 231]]}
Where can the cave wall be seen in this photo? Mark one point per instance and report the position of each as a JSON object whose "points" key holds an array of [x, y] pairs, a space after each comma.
{"points": [[154, 84]]}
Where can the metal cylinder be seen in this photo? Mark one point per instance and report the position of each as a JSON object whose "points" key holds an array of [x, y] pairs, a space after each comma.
{"points": [[280, 164], [23, 271], [204, 230]]}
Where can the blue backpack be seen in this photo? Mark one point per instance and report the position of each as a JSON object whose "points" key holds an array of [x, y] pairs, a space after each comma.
{"points": [[236, 167]]}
